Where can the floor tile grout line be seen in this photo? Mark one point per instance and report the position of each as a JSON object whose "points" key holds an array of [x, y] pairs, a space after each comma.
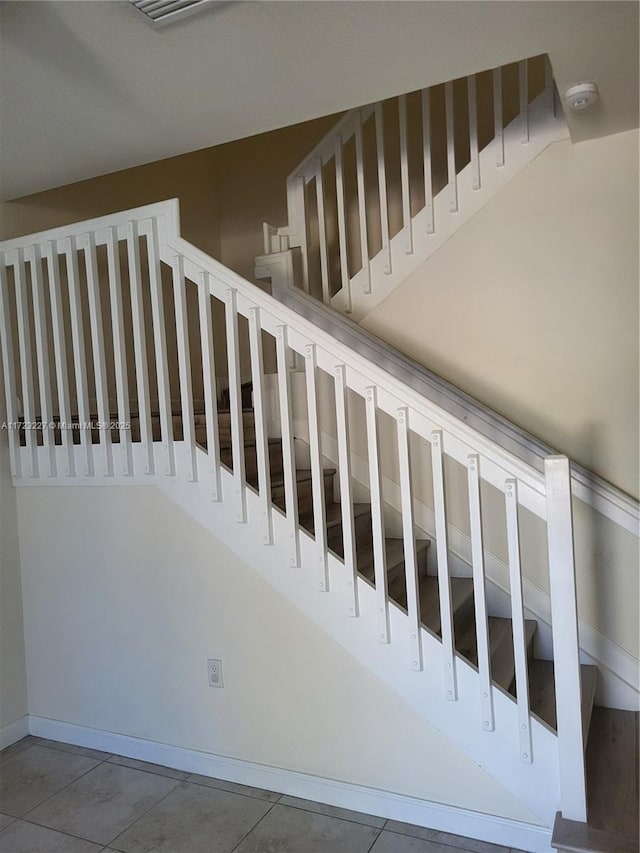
{"points": [[26, 819], [59, 831], [239, 793], [146, 770], [375, 840], [453, 847], [256, 824], [48, 745], [191, 781], [336, 817], [146, 812], [64, 788]]}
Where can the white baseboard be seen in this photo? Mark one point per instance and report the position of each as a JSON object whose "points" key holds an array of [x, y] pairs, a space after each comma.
{"points": [[385, 804], [14, 731]]}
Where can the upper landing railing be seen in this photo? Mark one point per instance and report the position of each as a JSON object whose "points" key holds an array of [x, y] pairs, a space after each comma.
{"points": [[395, 178]]}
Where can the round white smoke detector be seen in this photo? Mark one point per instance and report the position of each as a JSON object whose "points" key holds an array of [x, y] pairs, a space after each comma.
{"points": [[581, 96]]}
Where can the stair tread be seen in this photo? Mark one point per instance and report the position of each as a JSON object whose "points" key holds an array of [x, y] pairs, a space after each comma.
{"points": [[461, 597], [333, 512], [542, 693], [394, 549], [225, 443], [577, 837], [302, 475], [613, 773], [503, 665]]}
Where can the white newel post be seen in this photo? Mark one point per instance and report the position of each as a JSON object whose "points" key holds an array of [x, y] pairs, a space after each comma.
{"points": [[298, 223], [566, 652]]}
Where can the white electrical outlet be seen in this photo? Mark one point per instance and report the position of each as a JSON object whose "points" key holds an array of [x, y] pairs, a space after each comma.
{"points": [[214, 669]]}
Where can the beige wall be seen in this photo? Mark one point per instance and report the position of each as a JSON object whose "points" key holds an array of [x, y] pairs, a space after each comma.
{"points": [[532, 308], [153, 595], [192, 178], [13, 682]]}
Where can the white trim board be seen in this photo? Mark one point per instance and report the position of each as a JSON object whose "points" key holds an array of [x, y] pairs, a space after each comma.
{"points": [[385, 804], [587, 486], [13, 732], [619, 672]]}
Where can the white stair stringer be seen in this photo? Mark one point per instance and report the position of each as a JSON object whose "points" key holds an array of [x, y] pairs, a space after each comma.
{"points": [[543, 130], [535, 783]]}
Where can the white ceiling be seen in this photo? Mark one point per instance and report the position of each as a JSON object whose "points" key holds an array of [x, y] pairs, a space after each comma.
{"points": [[88, 88]]}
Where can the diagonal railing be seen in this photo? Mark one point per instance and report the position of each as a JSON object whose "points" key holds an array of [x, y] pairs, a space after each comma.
{"points": [[391, 181], [118, 316]]}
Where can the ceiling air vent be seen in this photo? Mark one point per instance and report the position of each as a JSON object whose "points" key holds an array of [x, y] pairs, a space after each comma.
{"points": [[161, 12]]}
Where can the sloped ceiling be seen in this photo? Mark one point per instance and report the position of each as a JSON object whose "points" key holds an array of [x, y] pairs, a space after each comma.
{"points": [[88, 88]]}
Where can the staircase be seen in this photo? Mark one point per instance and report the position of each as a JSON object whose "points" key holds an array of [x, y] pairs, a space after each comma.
{"points": [[392, 181], [501, 648], [132, 358]]}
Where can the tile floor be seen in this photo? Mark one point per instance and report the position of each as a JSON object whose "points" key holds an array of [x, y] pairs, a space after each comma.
{"points": [[57, 798]]}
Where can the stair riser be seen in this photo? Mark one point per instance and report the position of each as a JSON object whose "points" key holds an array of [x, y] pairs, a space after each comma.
{"points": [[397, 588], [305, 494], [362, 532], [251, 459]]}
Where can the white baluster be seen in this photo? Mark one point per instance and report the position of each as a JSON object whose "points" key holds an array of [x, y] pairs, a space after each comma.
{"points": [[377, 517], [362, 203], [97, 345], [479, 593], [160, 344], [346, 493], [26, 365], [79, 357], [408, 532], [566, 649], [444, 578], [209, 382], [235, 406], [549, 87], [382, 188], [342, 227], [404, 176], [42, 353], [523, 79], [304, 236], [517, 621], [119, 351], [260, 416], [140, 346], [184, 368], [288, 453], [451, 149], [322, 234], [473, 132], [498, 131], [60, 355], [9, 365], [426, 158], [317, 472]]}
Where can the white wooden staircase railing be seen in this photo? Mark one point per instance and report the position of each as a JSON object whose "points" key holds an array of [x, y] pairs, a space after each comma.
{"points": [[123, 308], [392, 181]]}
